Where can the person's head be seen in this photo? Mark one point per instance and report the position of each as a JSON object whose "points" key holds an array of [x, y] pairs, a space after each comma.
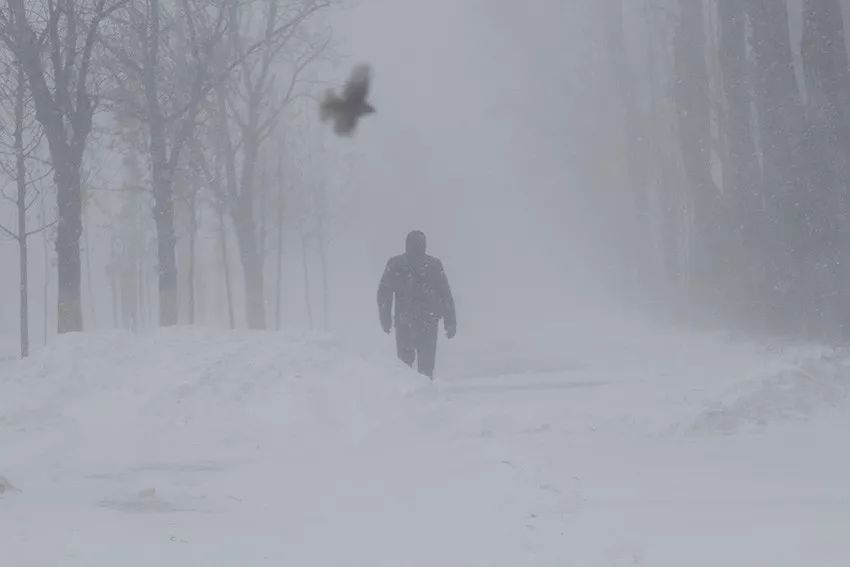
{"points": [[416, 243]]}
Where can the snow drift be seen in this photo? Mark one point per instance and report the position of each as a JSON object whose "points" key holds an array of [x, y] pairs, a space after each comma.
{"points": [[814, 382], [194, 380], [605, 447]]}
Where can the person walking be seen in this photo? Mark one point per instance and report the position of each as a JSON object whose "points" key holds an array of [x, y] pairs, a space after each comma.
{"points": [[414, 295]]}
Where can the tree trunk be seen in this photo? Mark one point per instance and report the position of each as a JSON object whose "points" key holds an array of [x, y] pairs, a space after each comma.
{"points": [[66, 114], [306, 268], [741, 175], [222, 239], [68, 232], [781, 123], [89, 279], [826, 67], [113, 285], [248, 236], [241, 194], [279, 266], [166, 255], [46, 283], [24, 306], [323, 266], [130, 298], [21, 174], [193, 231], [252, 266], [161, 177], [827, 76], [144, 316], [263, 217], [642, 263], [691, 94], [667, 198]]}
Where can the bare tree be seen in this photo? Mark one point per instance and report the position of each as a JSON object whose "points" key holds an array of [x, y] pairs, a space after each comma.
{"points": [[24, 144], [130, 228], [212, 180], [56, 44], [166, 63], [313, 196], [749, 200], [248, 108]]}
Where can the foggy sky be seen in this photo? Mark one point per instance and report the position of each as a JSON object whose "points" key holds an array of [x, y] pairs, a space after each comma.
{"points": [[472, 143]]}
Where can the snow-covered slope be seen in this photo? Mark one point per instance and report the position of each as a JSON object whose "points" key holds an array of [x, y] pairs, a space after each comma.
{"points": [[198, 380], [202, 447]]}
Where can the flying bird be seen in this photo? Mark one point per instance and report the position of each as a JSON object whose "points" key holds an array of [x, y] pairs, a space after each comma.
{"points": [[347, 109], [6, 485]]}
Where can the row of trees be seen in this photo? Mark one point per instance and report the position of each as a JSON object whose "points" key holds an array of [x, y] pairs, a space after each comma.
{"points": [[191, 93], [729, 128]]}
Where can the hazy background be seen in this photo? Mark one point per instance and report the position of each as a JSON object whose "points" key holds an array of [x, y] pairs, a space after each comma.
{"points": [[567, 159], [468, 145], [471, 144]]}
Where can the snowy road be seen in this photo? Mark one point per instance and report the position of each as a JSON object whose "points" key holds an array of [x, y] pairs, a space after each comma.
{"points": [[202, 448]]}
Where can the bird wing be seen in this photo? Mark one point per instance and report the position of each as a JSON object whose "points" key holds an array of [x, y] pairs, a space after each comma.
{"points": [[357, 87], [344, 124], [330, 106]]}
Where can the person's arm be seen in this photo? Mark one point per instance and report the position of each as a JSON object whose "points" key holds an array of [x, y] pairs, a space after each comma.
{"points": [[386, 290], [449, 315]]}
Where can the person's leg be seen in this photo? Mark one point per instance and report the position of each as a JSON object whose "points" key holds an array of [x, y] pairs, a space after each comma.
{"points": [[426, 348], [405, 345]]}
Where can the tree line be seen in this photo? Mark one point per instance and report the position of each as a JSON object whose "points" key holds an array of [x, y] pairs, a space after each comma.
{"points": [[725, 127], [715, 152], [191, 94]]}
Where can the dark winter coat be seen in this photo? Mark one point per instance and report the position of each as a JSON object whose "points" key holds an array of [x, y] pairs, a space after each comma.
{"points": [[418, 286]]}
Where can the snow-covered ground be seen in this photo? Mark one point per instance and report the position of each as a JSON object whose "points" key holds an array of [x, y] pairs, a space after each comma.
{"points": [[588, 448]]}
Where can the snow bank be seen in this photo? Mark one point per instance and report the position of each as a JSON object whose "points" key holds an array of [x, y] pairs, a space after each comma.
{"points": [[117, 442], [199, 387], [202, 447], [814, 382]]}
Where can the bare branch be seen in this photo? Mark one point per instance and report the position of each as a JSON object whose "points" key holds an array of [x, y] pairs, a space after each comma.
{"points": [[35, 197], [9, 233], [42, 228]]}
